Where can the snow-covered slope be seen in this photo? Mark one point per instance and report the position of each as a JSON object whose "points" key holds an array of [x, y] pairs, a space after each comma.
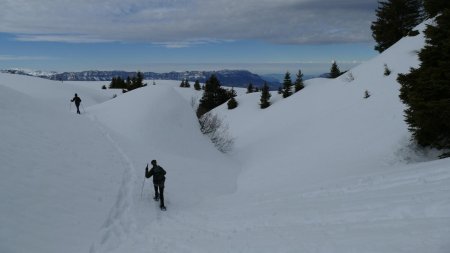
{"points": [[324, 170]]}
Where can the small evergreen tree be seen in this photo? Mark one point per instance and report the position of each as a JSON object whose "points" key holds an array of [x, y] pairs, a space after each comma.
{"points": [[104, 87], [287, 85], [298, 85], [334, 70], [265, 96], [250, 88], [182, 85], [187, 84], [128, 82], [197, 85], [232, 103], [366, 94], [387, 71]]}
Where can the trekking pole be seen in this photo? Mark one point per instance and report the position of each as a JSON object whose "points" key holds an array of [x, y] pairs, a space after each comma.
{"points": [[142, 190], [84, 111], [70, 109]]}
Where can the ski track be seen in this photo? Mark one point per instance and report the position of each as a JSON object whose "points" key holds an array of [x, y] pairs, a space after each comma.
{"points": [[119, 223]]}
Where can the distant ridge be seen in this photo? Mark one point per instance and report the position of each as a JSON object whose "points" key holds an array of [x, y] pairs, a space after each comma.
{"points": [[236, 78]]}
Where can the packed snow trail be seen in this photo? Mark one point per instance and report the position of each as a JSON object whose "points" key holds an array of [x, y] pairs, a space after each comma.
{"points": [[167, 130]]}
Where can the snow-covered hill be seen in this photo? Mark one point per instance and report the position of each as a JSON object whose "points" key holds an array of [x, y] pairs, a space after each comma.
{"points": [[324, 170]]}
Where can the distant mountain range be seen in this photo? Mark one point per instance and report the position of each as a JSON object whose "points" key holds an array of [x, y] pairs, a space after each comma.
{"points": [[236, 78]]}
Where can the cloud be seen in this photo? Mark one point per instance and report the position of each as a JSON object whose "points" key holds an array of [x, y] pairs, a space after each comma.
{"points": [[180, 23], [22, 58]]}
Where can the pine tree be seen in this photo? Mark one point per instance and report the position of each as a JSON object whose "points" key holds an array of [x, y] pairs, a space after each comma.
{"points": [[395, 19], [334, 70], [213, 96], [434, 7], [182, 85], [197, 85], [299, 81], [426, 90], [117, 83], [250, 88], [187, 84], [136, 81], [265, 96], [287, 85]]}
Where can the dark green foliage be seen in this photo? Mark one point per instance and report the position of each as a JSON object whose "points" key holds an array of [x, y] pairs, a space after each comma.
{"points": [[366, 94], [250, 88], [387, 71], [232, 93], [185, 84], [136, 81], [298, 85], [117, 83], [232, 103], [213, 96], [280, 90], [197, 85], [395, 19], [334, 70], [130, 84], [104, 87], [287, 85], [265, 96], [426, 90], [434, 7]]}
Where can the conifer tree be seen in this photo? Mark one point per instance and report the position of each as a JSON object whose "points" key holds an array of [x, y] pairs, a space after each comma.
{"points": [[197, 85], [395, 19], [298, 85], [265, 96], [128, 82], [214, 95], [287, 85], [187, 84], [232, 103], [434, 7], [334, 70], [135, 82], [182, 85], [117, 83], [250, 88], [426, 90]]}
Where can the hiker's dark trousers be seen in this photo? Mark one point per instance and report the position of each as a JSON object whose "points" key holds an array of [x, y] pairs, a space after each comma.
{"points": [[159, 191]]}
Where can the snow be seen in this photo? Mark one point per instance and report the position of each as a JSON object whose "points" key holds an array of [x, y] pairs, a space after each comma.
{"points": [[324, 170]]}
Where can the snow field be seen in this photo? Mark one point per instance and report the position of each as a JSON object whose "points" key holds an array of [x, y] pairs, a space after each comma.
{"points": [[324, 170]]}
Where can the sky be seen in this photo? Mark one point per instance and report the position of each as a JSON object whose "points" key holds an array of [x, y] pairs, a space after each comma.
{"points": [[263, 36]]}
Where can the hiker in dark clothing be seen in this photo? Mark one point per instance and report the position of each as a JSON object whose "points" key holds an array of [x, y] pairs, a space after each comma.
{"points": [[159, 178], [77, 101]]}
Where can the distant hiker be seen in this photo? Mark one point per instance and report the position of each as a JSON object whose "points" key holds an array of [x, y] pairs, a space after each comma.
{"points": [[77, 101], [159, 178]]}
